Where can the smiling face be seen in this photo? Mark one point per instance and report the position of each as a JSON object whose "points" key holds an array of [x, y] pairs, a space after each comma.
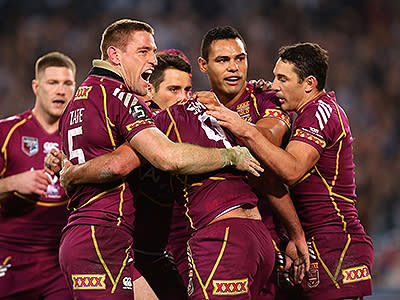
{"points": [[136, 62], [53, 88], [226, 68], [176, 86]]}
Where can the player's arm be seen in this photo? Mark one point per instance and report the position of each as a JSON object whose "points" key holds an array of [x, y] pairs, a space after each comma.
{"points": [[290, 164], [101, 169], [28, 183], [183, 158]]}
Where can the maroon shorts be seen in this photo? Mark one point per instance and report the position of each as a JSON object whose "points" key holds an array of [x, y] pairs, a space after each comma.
{"points": [[97, 262], [340, 268], [32, 276], [231, 257]]}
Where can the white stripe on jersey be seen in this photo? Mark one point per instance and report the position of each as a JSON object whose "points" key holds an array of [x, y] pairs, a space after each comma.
{"points": [[323, 114]]}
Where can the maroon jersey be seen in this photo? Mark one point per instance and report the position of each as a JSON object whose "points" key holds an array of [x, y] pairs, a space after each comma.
{"points": [[28, 219], [102, 115], [188, 122], [325, 197], [252, 106]]}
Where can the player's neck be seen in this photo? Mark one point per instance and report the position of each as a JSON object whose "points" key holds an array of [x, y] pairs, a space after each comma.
{"points": [[229, 99], [48, 123]]}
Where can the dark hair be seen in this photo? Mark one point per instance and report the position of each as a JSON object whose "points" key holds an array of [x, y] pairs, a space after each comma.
{"points": [[54, 59], [218, 33], [118, 33], [167, 61], [308, 59]]}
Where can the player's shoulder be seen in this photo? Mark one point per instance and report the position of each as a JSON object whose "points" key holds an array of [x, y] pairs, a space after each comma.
{"points": [[12, 120]]}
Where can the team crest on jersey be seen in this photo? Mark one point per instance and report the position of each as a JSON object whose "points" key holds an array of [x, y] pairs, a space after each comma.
{"points": [[313, 275], [82, 92], [30, 145], [230, 287], [88, 281], [310, 137], [356, 274]]}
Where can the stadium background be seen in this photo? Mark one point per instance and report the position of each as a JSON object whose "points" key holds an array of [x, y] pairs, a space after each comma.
{"points": [[362, 36]]}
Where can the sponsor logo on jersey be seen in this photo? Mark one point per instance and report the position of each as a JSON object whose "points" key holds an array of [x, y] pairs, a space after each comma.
{"points": [[30, 145], [88, 281], [48, 146], [82, 92], [276, 113], [356, 274], [127, 283], [139, 123], [313, 275], [230, 287], [310, 137]]}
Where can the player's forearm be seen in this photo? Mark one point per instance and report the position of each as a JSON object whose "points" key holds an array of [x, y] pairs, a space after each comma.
{"points": [[278, 160], [6, 187]]}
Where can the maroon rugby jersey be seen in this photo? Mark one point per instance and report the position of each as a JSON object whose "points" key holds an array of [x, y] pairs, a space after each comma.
{"points": [[206, 196], [325, 197], [29, 223], [102, 115], [252, 106]]}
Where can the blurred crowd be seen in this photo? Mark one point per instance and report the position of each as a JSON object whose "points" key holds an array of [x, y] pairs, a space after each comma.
{"points": [[362, 37]]}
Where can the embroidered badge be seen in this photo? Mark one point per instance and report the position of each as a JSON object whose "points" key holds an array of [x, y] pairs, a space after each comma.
{"points": [[313, 275], [356, 274], [30, 145], [230, 287], [88, 281]]}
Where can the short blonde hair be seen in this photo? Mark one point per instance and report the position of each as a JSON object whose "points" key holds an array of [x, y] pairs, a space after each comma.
{"points": [[54, 59], [117, 34]]}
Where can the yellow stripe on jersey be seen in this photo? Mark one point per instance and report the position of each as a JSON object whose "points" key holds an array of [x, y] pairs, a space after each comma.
{"points": [[4, 148], [121, 201], [40, 203], [178, 136], [254, 102], [103, 263], [339, 265], [101, 194], [108, 121], [221, 253]]}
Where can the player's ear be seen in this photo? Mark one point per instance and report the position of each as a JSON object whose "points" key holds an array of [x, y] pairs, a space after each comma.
{"points": [[113, 55], [202, 64], [311, 83], [35, 86]]}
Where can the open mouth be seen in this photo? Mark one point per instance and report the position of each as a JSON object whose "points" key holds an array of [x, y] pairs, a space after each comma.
{"points": [[59, 102], [232, 79], [146, 75]]}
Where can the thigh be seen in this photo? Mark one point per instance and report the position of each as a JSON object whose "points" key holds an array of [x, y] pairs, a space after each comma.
{"points": [[225, 264], [340, 268], [97, 263]]}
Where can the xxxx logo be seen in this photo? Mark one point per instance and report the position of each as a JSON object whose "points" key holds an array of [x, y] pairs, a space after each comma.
{"points": [[82, 92], [230, 287], [356, 274], [88, 282]]}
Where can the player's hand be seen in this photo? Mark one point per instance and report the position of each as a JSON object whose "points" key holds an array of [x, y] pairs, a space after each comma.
{"points": [[52, 162], [66, 177], [244, 161], [30, 182], [261, 84], [297, 255]]}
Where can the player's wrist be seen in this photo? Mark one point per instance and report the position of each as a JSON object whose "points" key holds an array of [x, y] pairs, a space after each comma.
{"points": [[229, 157]]}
